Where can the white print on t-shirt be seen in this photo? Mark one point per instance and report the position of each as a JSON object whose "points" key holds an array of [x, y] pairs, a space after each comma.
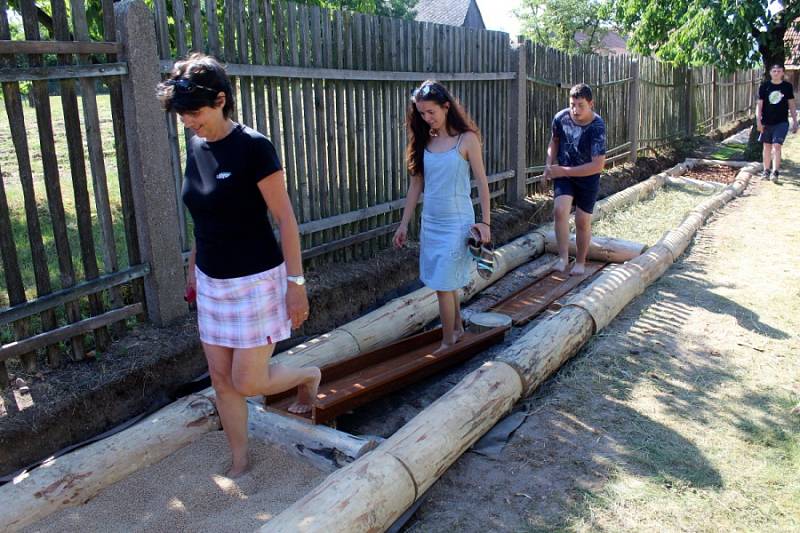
{"points": [[572, 132], [223, 175], [775, 97]]}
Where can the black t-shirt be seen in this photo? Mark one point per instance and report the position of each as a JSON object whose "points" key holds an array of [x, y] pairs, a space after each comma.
{"points": [[231, 229], [775, 108]]}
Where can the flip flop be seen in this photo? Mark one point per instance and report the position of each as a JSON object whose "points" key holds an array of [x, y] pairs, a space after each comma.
{"points": [[486, 261], [474, 243]]}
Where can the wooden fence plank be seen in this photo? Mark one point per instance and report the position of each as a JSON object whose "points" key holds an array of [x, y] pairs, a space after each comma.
{"points": [[94, 143]]}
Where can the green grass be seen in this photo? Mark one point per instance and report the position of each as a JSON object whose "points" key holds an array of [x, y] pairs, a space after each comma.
{"points": [[16, 199], [729, 151], [646, 221]]}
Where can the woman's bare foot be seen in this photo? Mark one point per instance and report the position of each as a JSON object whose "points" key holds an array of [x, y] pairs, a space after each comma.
{"points": [[578, 269], [237, 470], [561, 265], [443, 347], [306, 393], [457, 334]]}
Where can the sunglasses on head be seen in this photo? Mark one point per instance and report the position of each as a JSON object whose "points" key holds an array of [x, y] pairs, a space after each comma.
{"points": [[425, 90], [184, 86]]}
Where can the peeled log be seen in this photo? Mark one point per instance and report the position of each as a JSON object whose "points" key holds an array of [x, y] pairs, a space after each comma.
{"points": [[78, 476], [426, 450], [365, 496], [319, 444], [404, 315], [604, 298], [604, 249], [540, 352], [431, 441], [628, 196]]}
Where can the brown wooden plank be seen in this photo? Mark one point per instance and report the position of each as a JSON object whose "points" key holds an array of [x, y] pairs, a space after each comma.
{"points": [[123, 162], [257, 46], [72, 131], [213, 28], [11, 272], [525, 304], [162, 28], [94, 144], [58, 47], [243, 56], [180, 24], [197, 26], [14, 349], [352, 383]]}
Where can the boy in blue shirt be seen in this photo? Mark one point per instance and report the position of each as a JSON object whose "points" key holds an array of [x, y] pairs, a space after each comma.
{"points": [[575, 157]]}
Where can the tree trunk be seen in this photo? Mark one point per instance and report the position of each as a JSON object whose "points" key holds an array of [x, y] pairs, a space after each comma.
{"points": [[78, 476]]}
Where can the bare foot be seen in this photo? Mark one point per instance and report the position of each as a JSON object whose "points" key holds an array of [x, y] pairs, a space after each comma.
{"points": [[457, 335], [306, 393], [237, 471], [560, 266], [578, 269], [442, 347]]}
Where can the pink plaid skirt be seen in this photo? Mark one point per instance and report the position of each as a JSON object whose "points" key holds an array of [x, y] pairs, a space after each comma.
{"points": [[243, 312]]}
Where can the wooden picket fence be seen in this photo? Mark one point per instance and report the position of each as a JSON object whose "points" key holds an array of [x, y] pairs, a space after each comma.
{"points": [[329, 88]]}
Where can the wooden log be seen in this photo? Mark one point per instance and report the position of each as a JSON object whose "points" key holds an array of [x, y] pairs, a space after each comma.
{"points": [[433, 440], [404, 315], [323, 446], [378, 488], [682, 182], [609, 294], [628, 196], [604, 249], [693, 162], [77, 477], [370, 494]]}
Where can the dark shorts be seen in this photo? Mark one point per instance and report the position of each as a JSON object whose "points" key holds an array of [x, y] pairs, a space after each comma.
{"points": [[774, 133], [583, 191]]}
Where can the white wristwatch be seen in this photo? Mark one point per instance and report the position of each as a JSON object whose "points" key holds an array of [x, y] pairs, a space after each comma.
{"points": [[297, 280]]}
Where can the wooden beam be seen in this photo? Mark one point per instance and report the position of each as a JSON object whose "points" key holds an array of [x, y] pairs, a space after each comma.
{"points": [[16, 348], [80, 290], [58, 47], [63, 72], [270, 71]]}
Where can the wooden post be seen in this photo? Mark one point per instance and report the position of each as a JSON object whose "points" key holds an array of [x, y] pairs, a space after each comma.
{"points": [[518, 123], [155, 196], [633, 111], [714, 99], [690, 110]]}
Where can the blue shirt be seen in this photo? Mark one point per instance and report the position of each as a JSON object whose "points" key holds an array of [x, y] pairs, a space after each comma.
{"points": [[577, 144]]}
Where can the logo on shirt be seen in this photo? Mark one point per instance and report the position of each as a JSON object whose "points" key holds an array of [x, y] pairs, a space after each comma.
{"points": [[223, 175], [775, 97]]}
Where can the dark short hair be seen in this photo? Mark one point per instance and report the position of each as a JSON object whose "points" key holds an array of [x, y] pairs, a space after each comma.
{"points": [[777, 65], [581, 90], [203, 71]]}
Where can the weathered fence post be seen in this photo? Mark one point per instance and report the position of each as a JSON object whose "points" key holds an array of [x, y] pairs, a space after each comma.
{"points": [[633, 111], [714, 99], [690, 110], [155, 197], [516, 188]]}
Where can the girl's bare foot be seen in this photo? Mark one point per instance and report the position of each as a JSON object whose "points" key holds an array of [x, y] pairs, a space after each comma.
{"points": [[561, 265], [306, 393], [443, 347], [237, 470], [578, 269]]}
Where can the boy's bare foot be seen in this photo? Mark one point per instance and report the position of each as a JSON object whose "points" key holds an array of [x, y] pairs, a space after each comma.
{"points": [[561, 265], [237, 471], [578, 269], [306, 394]]}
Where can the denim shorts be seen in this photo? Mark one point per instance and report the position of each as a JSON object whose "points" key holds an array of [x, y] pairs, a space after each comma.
{"points": [[583, 191], [774, 133]]}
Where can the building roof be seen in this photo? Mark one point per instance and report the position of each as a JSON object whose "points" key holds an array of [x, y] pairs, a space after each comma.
{"points": [[611, 44], [452, 12], [792, 41]]}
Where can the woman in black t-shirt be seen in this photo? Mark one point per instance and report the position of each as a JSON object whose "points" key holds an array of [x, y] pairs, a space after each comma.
{"points": [[250, 290]]}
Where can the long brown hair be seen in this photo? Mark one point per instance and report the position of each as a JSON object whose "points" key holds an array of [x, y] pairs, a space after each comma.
{"points": [[418, 131]]}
